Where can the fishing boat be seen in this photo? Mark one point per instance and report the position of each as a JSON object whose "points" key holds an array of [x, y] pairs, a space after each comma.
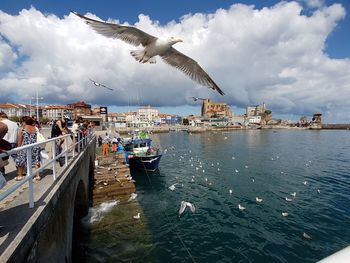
{"points": [[141, 154]]}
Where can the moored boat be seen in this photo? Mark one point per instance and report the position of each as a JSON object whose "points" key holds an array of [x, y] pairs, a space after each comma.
{"points": [[141, 154]]}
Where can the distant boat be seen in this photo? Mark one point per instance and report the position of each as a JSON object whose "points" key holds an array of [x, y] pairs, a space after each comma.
{"points": [[141, 154]]}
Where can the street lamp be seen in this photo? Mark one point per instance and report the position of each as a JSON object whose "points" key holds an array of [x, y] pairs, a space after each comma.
{"points": [[37, 105]]}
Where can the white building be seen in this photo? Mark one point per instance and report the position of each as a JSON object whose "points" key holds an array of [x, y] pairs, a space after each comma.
{"points": [[55, 112], [15, 110], [254, 119], [147, 114]]}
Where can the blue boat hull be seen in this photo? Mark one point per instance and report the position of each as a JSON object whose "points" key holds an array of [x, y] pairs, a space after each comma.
{"points": [[146, 163]]}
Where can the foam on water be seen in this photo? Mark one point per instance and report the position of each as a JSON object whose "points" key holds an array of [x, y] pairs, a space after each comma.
{"points": [[96, 214]]}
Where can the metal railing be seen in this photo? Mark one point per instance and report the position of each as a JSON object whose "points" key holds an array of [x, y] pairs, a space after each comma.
{"points": [[75, 147]]}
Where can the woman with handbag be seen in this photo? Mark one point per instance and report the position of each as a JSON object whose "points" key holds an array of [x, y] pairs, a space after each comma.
{"points": [[27, 135]]}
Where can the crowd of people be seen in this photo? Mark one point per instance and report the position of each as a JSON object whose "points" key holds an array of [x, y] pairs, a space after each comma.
{"points": [[13, 135]]}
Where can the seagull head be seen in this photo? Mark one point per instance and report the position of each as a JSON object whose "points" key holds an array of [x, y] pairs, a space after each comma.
{"points": [[174, 40]]}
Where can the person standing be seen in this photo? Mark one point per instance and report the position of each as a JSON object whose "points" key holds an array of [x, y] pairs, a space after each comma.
{"points": [[11, 135], [27, 135], [105, 144]]}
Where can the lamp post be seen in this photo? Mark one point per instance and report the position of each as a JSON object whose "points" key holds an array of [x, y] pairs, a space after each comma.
{"points": [[37, 104]]}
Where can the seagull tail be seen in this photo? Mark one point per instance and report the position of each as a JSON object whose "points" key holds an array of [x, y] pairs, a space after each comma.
{"points": [[140, 56]]}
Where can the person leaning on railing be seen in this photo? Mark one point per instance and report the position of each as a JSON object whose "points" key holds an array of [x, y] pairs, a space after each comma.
{"points": [[27, 134]]}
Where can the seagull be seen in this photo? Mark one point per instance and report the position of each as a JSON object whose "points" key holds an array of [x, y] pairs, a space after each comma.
{"points": [[241, 207], [153, 47], [137, 216], [305, 182], [184, 205], [230, 191], [289, 199], [132, 197], [318, 191], [99, 84], [306, 236], [196, 98], [172, 187], [285, 214], [259, 200], [293, 194]]}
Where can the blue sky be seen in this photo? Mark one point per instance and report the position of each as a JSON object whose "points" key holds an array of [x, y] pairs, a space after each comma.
{"points": [[333, 50]]}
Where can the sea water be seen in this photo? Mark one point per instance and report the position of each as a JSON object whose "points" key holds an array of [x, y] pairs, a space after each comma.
{"points": [[218, 171]]}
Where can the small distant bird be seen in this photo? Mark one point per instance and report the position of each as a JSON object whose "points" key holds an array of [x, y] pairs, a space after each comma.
{"points": [[172, 187], [289, 199], [153, 47], [285, 214], [230, 191], [99, 84], [293, 194], [259, 200], [132, 197], [306, 236], [183, 206], [236, 170], [246, 166], [305, 182], [137, 216], [242, 208], [318, 191], [196, 98]]}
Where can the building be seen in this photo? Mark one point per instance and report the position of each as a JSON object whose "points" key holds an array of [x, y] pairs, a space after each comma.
{"points": [[16, 110], [55, 112], [147, 114], [169, 119], [258, 114], [215, 109], [80, 108]]}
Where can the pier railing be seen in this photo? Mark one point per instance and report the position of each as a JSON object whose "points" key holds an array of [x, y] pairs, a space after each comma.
{"points": [[75, 148]]}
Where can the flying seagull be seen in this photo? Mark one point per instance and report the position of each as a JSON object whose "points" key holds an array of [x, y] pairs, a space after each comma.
{"points": [[184, 205], [153, 47], [99, 84], [196, 98]]}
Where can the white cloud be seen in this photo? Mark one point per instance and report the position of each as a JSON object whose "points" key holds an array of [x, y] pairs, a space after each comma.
{"points": [[274, 55]]}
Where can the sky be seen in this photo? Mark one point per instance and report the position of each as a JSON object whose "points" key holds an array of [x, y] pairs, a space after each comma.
{"points": [[292, 55]]}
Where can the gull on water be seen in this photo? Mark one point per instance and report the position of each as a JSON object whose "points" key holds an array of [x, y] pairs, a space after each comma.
{"points": [[137, 216], [289, 199], [259, 200], [236, 170], [230, 191], [318, 191], [132, 197], [306, 236], [183, 206], [305, 182], [172, 187], [293, 194], [241, 207], [285, 214]]}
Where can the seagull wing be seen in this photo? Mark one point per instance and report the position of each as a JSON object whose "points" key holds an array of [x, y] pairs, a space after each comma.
{"points": [[190, 67], [193, 209], [182, 207], [129, 34], [106, 87]]}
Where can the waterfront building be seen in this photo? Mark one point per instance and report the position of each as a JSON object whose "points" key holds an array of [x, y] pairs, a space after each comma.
{"points": [[215, 109], [55, 112], [258, 114], [15, 110], [147, 114], [169, 119], [80, 108]]}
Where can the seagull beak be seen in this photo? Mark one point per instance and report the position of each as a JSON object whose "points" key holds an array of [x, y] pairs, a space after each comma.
{"points": [[179, 40]]}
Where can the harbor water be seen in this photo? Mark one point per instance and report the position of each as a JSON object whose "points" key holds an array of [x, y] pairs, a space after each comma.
{"points": [[299, 172]]}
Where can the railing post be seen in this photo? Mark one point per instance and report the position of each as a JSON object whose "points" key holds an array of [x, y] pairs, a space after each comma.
{"points": [[29, 174], [79, 142], [53, 149], [66, 151]]}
